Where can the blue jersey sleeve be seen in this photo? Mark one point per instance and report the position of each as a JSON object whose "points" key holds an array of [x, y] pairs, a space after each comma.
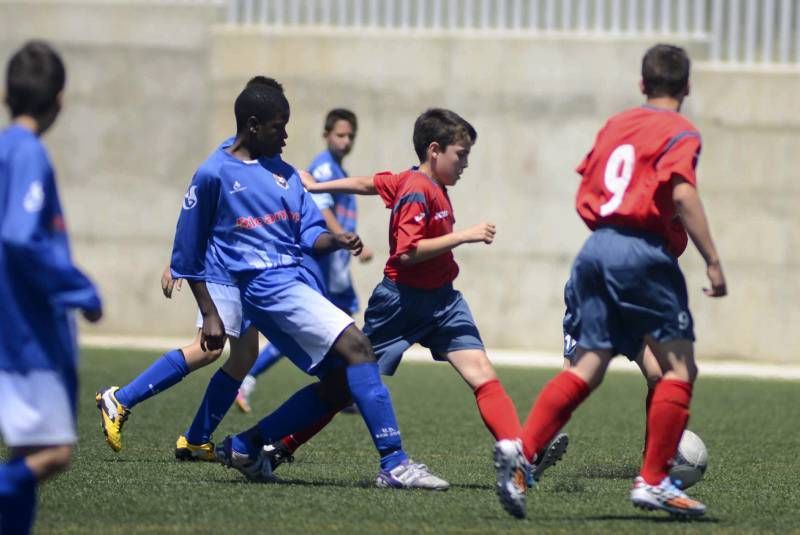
{"points": [[195, 224], [34, 235], [311, 223]]}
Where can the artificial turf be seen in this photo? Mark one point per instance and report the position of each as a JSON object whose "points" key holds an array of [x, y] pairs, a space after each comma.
{"points": [[750, 427]]}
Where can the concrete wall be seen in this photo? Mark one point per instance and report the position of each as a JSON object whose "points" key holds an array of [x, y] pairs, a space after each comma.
{"points": [[149, 97]]}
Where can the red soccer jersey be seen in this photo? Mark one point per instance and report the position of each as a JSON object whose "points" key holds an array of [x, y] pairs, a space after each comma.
{"points": [[420, 209], [627, 174]]}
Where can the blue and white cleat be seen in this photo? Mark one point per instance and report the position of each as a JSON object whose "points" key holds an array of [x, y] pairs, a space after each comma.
{"points": [[258, 469], [665, 497], [511, 468], [410, 475], [547, 457]]}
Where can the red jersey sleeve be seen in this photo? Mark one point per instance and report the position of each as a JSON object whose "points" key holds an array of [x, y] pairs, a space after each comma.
{"points": [[410, 217], [680, 157], [387, 184]]}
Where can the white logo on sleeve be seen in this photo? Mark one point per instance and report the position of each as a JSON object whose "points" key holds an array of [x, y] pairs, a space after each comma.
{"points": [[419, 217], [323, 171], [441, 215], [190, 199], [34, 198]]}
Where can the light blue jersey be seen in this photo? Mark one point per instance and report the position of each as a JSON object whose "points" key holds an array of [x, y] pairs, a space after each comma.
{"points": [[336, 266], [39, 284], [248, 216]]}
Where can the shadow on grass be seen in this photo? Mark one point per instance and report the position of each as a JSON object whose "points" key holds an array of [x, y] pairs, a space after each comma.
{"points": [[656, 519], [626, 471]]}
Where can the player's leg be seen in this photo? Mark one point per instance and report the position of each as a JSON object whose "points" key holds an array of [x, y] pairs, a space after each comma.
{"points": [[496, 408], [37, 423], [267, 358], [652, 374], [666, 421], [115, 403], [222, 389], [551, 411], [27, 467]]}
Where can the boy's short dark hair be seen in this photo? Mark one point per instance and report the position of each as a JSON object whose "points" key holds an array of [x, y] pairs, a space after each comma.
{"points": [[340, 114], [442, 126], [35, 75], [665, 71], [262, 98]]}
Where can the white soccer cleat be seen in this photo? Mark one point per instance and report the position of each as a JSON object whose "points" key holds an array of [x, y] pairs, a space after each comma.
{"points": [[258, 469], [511, 469], [410, 475], [665, 497]]}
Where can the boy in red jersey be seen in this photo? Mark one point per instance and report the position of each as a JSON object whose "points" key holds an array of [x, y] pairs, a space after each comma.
{"points": [[638, 196], [416, 302]]}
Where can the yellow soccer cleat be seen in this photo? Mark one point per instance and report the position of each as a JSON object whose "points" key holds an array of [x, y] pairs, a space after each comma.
{"points": [[113, 415], [191, 452]]}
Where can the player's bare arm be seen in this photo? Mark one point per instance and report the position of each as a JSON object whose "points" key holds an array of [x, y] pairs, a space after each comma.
{"points": [[359, 185], [689, 208], [212, 335], [432, 247], [329, 242], [168, 283]]}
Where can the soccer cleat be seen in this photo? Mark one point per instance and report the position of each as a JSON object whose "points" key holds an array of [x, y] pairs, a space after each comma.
{"points": [[511, 468], [243, 403], [665, 497], [410, 475], [113, 415], [184, 451], [547, 457], [278, 454], [258, 469]]}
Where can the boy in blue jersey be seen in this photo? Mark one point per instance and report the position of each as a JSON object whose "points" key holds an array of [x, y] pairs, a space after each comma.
{"points": [[340, 214], [257, 219], [39, 285]]}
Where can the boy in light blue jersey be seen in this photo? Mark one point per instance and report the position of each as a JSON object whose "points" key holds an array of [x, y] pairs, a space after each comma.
{"points": [[39, 287], [340, 214], [257, 219]]}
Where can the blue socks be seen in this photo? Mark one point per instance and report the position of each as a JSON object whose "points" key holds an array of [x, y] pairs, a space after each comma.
{"points": [[268, 356], [375, 403], [162, 374], [298, 412], [17, 497], [219, 396]]}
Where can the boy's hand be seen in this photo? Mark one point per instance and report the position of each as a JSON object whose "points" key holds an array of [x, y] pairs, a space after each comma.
{"points": [[483, 232], [212, 335], [92, 316], [366, 255], [168, 283], [349, 241], [307, 179], [717, 279]]}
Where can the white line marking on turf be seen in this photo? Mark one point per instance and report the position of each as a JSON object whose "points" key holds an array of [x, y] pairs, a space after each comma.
{"points": [[500, 357]]}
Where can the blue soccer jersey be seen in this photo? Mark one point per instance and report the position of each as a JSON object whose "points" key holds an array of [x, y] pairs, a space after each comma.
{"points": [[38, 281], [336, 266], [252, 215]]}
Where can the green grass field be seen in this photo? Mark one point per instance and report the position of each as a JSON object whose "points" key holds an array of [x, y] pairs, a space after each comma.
{"points": [[750, 427]]}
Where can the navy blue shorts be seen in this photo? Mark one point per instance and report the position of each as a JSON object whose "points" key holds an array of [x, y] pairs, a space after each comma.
{"points": [[398, 316], [625, 285]]}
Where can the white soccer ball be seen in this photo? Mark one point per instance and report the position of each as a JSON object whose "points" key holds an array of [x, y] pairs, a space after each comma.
{"points": [[690, 461]]}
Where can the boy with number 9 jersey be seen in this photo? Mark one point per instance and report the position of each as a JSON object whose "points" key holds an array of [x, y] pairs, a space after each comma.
{"points": [[638, 195]]}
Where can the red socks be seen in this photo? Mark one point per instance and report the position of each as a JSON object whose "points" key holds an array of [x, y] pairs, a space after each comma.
{"points": [[292, 442], [497, 410], [552, 410], [666, 420]]}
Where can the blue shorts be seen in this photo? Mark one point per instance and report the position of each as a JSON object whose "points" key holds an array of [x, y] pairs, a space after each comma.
{"points": [[398, 316], [286, 305], [625, 285]]}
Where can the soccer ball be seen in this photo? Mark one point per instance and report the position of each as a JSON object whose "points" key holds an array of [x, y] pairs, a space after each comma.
{"points": [[690, 461]]}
